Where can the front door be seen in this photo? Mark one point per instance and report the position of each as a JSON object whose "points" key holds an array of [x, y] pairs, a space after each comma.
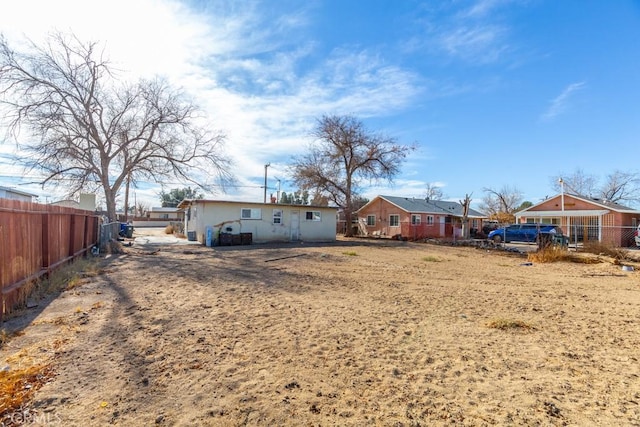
{"points": [[295, 226]]}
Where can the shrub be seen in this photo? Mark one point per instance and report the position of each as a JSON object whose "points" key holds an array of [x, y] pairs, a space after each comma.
{"points": [[169, 229], [607, 249], [549, 254]]}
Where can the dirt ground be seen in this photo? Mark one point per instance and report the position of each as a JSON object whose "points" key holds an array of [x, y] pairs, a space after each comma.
{"points": [[356, 333]]}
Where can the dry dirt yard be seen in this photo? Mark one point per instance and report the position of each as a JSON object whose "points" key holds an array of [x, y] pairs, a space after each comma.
{"points": [[356, 333]]}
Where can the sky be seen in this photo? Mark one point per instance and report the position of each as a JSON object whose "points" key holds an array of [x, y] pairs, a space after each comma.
{"points": [[493, 93]]}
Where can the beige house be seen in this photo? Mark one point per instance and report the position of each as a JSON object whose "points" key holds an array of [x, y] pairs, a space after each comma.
{"points": [[225, 222], [168, 214]]}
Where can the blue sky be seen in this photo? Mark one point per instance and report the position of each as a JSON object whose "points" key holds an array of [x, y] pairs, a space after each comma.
{"points": [[493, 92]]}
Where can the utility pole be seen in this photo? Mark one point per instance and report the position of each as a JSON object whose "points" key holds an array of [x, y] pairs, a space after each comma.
{"points": [[265, 181], [278, 192]]}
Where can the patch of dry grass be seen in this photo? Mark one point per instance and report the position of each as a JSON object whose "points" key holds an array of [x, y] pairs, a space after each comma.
{"points": [[350, 253], [549, 254], [604, 249], [5, 336], [510, 324], [72, 275], [18, 385], [557, 254]]}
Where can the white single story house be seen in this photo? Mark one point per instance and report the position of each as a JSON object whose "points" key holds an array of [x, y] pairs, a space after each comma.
{"points": [[172, 214], [14, 194], [214, 221]]}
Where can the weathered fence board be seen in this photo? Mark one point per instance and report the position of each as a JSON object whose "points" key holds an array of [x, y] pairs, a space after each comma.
{"points": [[35, 239]]}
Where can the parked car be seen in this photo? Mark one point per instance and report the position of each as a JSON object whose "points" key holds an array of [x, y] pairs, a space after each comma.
{"points": [[523, 232]]}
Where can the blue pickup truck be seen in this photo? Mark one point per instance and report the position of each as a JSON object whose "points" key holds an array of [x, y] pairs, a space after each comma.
{"points": [[523, 232]]}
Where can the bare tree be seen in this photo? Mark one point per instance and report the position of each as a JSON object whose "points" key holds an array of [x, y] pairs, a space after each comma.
{"points": [[344, 155], [141, 209], [618, 187], [579, 183], [621, 187], [89, 130], [465, 215], [433, 192], [501, 204]]}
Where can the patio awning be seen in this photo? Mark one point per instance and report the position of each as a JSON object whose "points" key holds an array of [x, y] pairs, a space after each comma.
{"points": [[565, 213]]}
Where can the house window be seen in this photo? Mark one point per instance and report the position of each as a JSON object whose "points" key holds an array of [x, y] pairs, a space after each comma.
{"points": [[247, 213], [474, 224], [371, 220], [394, 220], [277, 216], [312, 215], [415, 219], [430, 219], [164, 216]]}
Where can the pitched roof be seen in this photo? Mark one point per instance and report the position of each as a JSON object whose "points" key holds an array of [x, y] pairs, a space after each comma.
{"points": [[414, 205], [16, 191], [186, 202], [606, 204]]}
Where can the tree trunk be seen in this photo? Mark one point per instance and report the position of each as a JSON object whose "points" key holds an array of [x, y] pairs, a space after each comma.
{"points": [[347, 218], [111, 204], [126, 199]]}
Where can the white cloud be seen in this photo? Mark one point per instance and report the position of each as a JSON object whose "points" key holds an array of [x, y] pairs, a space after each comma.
{"points": [[560, 104], [479, 43], [240, 62]]}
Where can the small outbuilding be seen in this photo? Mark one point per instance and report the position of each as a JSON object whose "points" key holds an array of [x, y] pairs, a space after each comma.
{"points": [[415, 218], [219, 222], [585, 218]]}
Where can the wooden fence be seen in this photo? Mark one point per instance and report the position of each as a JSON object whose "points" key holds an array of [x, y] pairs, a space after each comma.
{"points": [[34, 240]]}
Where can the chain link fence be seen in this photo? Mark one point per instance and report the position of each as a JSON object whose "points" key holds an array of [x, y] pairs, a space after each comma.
{"points": [[108, 232]]}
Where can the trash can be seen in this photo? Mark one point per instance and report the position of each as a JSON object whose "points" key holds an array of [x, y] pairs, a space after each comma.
{"points": [[226, 239], [246, 238], [129, 231]]}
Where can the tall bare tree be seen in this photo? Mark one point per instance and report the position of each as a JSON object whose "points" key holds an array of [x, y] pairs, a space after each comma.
{"points": [[342, 157], [433, 192], [621, 187], [89, 130], [578, 182], [465, 203], [618, 186], [501, 204]]}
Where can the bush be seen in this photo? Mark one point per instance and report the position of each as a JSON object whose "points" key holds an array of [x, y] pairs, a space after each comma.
{"points": [[607, 249], [549, 254], [169, 229]]}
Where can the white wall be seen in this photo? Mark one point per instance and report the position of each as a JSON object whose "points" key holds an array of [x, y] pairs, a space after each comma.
{"points": [[225, 217], [8, 194]]}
